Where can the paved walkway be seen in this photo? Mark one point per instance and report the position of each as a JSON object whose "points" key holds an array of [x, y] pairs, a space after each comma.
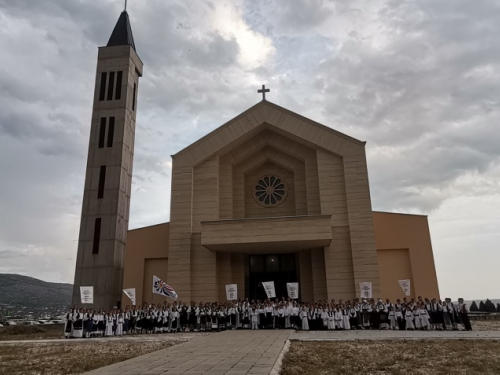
{"points": [[230, 352], [141, 338]]}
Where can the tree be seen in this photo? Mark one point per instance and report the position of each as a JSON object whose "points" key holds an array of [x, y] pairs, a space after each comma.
{"points": [[498, 307], [473, 306], [481, 306], [489, 306]]}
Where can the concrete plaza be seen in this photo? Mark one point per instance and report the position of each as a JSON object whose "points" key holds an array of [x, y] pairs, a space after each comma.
{"points": [[255, 352]]}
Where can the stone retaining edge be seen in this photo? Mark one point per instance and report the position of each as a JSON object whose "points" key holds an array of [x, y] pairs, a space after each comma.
{"points": [[279, 361]]}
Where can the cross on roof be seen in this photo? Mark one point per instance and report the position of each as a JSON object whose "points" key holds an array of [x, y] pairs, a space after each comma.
{"points": [[263, 91]]}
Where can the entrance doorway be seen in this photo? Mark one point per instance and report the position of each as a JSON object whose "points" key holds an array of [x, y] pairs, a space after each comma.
{"points": [[280, 268]]}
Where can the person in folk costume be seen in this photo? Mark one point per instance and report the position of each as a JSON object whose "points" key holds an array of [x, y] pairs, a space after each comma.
{"points": [[383, 314], [457, 316], [318, 320], [424, 317], [331, 317], [437, 314], [324, 317], [430, 313], [126, 320], [409, 318], [174, 319], [246, 315], [346, 324], [311, 316], [392, 318], [416, 316], [120, 319], [451, 313], [215, 319], [447, 323], [400, 319], [338, 318], [365, 314], [68, 324], [88, 323], [232, 316], [288, 314], [157, 320], [464, 314], [304, 319], [183, 316], [280, 316], [132, 319], [109, 324], [78, 323], [166, 319], [294, 316], [101, 322], [269, 315], [197, 312], [222, 318], [254, 318], [354, 314]]}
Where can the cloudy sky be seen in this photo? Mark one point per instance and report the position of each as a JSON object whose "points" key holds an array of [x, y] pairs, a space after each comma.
{"points": [[419, 80]]}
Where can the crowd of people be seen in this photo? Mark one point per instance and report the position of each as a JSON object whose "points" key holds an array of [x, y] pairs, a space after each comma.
{"points": [[420, 314]]}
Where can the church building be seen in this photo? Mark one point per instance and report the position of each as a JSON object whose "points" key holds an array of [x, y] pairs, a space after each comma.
{"points": [[268, 196]]}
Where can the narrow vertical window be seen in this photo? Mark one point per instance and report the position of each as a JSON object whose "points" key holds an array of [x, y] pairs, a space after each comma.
{"points": [[102, 91], [97, 236], [111, 85], [111, 131], [133, 97], [118, 94], [102, 181], [102, 132]]}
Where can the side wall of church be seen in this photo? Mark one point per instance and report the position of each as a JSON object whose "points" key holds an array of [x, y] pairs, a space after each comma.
{"points": [[146, 255], [405, 252]]}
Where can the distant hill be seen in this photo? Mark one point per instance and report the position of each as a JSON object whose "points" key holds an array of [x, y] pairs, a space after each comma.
{"points": [[23, 293]]}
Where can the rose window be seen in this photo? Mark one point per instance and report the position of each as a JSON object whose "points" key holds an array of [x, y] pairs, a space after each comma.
{"points": [[269, 191]]}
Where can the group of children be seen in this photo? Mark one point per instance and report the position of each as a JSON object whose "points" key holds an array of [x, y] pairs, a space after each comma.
{"points": [[421, 314]]}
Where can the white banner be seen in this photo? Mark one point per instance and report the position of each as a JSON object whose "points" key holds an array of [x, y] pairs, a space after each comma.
{"points": [[366, 289], [269, 288], [232, 292], [87, 294], [130, 293], [405, 285], [293, 290], [161, 287]]}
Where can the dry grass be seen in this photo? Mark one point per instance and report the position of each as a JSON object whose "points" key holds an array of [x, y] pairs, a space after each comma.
{"points": [[62, 359], [486, 325], [393, 357], [22, 332]]}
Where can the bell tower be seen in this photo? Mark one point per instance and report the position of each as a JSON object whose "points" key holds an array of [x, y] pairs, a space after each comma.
{"points": [[108, 178]]}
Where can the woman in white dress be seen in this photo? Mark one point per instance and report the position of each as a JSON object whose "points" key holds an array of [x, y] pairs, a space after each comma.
{"points": [[109, 323], [331, 318], [303, 318], [346, 324], [409, 318], [119, 323]]}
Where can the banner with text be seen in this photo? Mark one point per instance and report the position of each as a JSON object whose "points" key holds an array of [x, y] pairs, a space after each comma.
{"points": [[366, 289], [405, 285], [269, 288], [293, 290], [161, 287], [87, 294], [130, 293], [232, 292]]}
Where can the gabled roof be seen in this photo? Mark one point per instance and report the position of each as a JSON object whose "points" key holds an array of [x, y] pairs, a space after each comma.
{"points": [[122, 33], [276, 118]]}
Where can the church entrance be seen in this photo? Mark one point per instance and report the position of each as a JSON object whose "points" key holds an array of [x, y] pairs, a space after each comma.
{"points": [[280, 268]]}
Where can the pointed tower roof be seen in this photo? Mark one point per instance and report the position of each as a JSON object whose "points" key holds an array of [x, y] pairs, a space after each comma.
{"points": [[122, 33]]}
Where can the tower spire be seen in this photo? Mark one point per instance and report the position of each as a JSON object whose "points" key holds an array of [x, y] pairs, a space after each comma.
{"points": [[122, 33]]}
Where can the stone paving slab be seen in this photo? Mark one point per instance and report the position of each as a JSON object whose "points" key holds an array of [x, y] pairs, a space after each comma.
{"points": [[391, 335], [230, 352]]}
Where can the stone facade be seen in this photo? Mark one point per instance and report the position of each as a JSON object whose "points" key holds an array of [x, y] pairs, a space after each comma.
{"points": [[215, 217]]}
